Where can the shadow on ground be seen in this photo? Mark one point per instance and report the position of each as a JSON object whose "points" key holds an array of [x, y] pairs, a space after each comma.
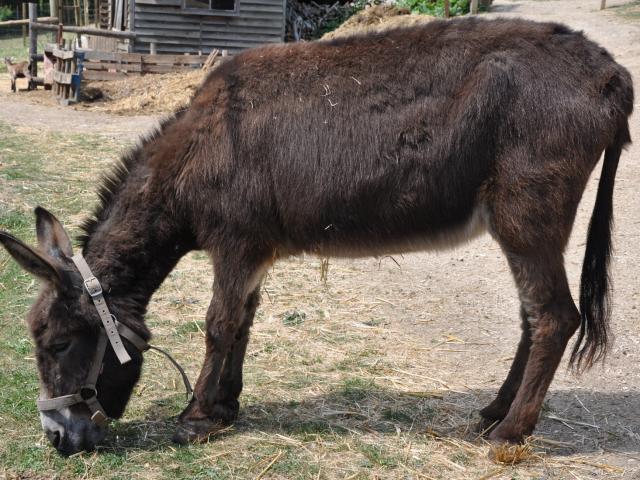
{"points": [[572, 421]]}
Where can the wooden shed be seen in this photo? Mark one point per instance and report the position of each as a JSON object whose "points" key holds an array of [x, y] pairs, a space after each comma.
{"points": [[191, 26]]}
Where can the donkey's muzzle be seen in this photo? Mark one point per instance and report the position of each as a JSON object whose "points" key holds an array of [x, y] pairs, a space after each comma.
{"points": [[71, 433]]}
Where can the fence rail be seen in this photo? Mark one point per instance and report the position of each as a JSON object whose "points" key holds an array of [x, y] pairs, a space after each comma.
{"points": [[25, 21], [113, 66], [99, 65]]}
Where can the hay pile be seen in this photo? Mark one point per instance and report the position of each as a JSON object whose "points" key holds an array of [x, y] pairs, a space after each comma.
{"points": [[378, 18], [142, 95]]}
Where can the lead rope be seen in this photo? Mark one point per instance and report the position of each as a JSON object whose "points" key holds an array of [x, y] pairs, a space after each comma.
{"points": [[143, 346], [185, 379]]}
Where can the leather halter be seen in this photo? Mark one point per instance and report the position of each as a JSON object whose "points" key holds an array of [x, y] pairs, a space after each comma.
{"points": [[112, 333]]}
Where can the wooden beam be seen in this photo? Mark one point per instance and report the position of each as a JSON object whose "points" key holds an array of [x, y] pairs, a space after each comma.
{"points": [[33, 39], [86, 12], [84, 30], [132, 15], [25, 21], [117, 17], [24, 26], [93, 75]]}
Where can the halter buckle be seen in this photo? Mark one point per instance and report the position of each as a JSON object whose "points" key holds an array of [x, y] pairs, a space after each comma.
{"points": [[93, 287], [99, 418]]}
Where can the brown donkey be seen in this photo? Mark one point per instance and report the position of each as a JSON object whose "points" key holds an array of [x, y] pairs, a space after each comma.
{"points": [[361, 146]]}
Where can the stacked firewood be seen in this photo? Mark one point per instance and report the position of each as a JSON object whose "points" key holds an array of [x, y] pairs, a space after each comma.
{"points": [[307, 20]]}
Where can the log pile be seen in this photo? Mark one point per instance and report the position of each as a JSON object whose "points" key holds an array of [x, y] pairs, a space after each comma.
{"points": [[308, 20]]}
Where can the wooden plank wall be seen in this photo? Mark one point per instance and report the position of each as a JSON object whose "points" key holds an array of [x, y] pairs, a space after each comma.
{"points": [[175, 30]]}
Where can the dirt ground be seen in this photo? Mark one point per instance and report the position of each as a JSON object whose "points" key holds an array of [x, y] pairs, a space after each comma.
{"points": [[465, 298]]}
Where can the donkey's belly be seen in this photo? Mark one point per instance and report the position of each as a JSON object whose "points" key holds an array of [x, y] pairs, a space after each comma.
{"points": [[378, 242]]}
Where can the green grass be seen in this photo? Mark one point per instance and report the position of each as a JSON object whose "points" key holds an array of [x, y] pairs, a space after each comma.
{"points": [[13, 46], [629, 11]]}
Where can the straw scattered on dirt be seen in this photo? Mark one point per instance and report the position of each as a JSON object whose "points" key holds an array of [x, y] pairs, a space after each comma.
{"points": [[148, 94]]}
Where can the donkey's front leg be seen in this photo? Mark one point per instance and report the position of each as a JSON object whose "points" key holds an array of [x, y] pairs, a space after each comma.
{"points": [[493, 413], [226, 405], [229, 318]]}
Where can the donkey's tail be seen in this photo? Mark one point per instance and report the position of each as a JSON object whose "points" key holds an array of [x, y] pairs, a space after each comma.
{"points": [[595, 284]]}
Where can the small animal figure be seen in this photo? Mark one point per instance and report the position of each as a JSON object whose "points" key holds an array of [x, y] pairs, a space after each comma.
{"points": [[17, 70]]}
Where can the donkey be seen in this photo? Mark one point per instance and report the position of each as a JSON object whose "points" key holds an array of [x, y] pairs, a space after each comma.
{"points": [[367, 145]]}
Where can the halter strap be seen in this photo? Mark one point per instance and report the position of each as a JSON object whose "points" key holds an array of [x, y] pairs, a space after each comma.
{"points": [[112, 333], [94, 289]]}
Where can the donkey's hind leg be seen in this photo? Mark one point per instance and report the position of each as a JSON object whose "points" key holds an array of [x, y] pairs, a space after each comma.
{"points": [[553, 318], [229, 318], [493, 413]]}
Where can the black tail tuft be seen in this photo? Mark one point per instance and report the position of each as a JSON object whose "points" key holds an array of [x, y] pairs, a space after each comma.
{"points": [[595, 284]]}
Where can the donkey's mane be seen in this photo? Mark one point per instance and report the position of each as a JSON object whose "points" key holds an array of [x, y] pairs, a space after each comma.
{"points": [[112, 182]]}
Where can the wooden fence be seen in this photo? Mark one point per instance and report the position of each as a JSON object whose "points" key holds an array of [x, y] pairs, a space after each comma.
{"points": [[116, 65], [67, 74]]}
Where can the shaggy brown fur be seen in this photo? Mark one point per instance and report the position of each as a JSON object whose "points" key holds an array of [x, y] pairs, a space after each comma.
{"points": [[400, 141]]}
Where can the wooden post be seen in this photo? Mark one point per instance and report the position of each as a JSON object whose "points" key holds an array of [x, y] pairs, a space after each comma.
{"points": [[117, 16], [33, 40], [474, 7], [132, 15], [86, 12], [603, 4], [152, 48], [76, 12], [53, 7], [24, 27], [447, 8]]}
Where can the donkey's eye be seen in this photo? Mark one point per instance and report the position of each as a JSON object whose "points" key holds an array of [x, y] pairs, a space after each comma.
{"points": [[59, 347]]}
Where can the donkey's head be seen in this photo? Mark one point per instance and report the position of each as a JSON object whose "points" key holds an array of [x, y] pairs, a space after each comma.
{"points": [[66, 328]]}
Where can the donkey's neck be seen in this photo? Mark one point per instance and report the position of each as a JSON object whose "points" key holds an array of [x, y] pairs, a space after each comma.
{"points": [[135, 242]]}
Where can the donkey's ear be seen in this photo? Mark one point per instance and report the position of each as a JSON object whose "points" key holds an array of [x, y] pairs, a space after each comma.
{"points": [[32, 261], [52, 238]]}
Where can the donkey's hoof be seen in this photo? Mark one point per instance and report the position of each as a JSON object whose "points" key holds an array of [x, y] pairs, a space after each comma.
{"points": [[196, 431], [502, 436]]}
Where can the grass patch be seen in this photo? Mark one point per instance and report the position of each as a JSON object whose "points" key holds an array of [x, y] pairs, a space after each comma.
{"points": [[293, 318], [628, 11], [378, 455], [13, 46], [355, 389]]}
